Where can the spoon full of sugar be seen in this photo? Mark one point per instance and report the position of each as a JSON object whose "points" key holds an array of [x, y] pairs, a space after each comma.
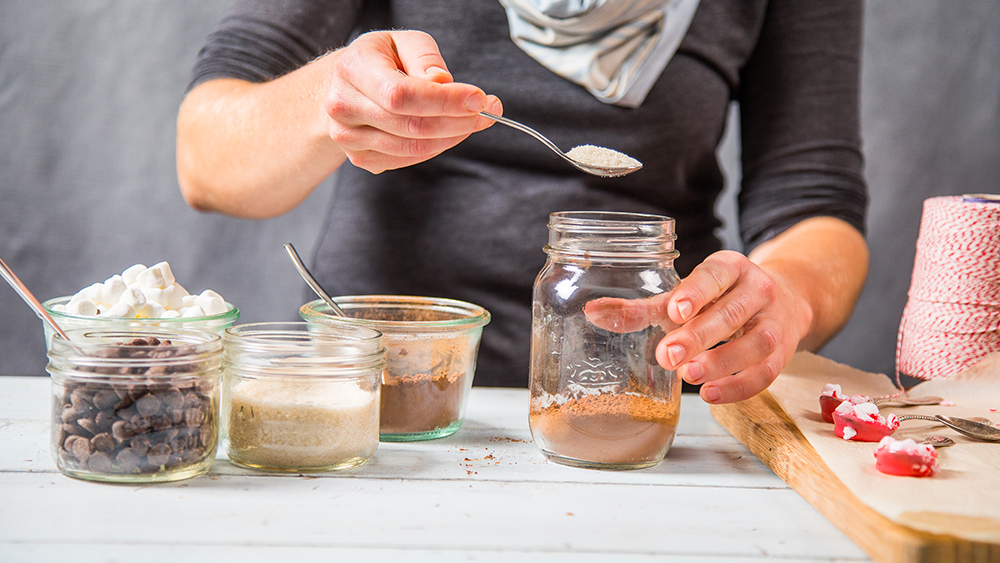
{"points": [[592, 159]]}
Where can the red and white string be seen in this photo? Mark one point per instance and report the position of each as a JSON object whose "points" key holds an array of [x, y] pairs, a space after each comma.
{"points": [[952, 315]]}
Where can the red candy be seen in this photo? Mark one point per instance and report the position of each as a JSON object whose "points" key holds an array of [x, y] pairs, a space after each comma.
{"points": [[862, 422], [905, 458]]}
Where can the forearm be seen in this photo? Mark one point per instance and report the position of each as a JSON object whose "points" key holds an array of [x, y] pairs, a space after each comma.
{"points": [[822, 262], [256, 150]]}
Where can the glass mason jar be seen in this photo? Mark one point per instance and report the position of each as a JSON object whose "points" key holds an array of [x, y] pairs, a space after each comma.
{"points": [[301, 396], [598, 397], [135, 405]]}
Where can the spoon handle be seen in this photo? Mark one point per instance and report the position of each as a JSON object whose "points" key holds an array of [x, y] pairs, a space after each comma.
{"points": [[307, 275], [29, 298], [524, 128]]}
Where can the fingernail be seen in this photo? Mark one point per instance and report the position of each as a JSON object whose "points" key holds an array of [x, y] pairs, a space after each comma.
{"points": [[710, 394], [436, 70], [475, 103], [675, 354], [684, 308], [694, 373]]}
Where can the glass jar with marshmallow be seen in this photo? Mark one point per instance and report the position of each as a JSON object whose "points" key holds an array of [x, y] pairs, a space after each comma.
{"points": [[141, 297]]}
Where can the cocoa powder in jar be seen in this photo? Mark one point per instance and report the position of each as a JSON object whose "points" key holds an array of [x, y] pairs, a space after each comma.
{"points": [[421, 402], [607, 428]]}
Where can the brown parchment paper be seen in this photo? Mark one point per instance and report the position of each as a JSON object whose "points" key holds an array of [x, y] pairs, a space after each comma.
{"points": [[962, 500]]}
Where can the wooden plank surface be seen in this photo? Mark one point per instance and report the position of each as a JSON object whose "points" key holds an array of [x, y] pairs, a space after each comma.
{"points": [[763, 427], [484, 494]]}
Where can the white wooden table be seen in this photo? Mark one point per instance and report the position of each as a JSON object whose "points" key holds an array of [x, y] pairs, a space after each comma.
{"points": [[483, 494]]}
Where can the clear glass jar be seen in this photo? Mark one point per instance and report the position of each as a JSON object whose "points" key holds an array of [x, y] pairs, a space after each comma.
{"points": [[135, 405], [431, 349], [598, 397], [301, 396]]}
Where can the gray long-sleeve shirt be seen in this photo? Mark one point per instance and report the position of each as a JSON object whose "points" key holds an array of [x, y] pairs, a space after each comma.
{"points": [[470, 224]]}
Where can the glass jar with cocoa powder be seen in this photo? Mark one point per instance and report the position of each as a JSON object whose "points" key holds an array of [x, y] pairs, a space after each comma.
{"points": [[598, 397], [135, 405]]}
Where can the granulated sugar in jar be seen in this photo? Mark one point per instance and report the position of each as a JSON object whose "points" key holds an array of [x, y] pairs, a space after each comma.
{"points": [[302, 396]]}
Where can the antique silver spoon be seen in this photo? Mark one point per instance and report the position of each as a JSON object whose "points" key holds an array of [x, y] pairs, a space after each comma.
{"points": [[307, 275], [907, 401], [971, 428], [629, 166], [31, 300]]}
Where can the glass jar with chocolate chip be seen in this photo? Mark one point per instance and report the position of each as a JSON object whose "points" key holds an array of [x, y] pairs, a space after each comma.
{"points": [[599, 399], [136, 405]]}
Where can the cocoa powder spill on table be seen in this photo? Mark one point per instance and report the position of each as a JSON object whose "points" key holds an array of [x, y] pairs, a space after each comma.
{"points": [[420, 402], [610, 428]]}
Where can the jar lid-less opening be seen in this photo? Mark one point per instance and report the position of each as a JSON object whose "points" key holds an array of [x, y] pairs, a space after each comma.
{"points": [[303, 349], [400, 314], [611, 236], [209, 321], [105, 351]]}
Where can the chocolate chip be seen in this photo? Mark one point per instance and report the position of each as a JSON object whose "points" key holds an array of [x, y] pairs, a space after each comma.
{"points": [[88, 424], [148, 405], [80, 447], [99, 462], [103, 442], [158, 454], [105, 399]]}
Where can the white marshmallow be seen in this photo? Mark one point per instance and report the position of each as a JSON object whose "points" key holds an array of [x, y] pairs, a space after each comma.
{"points": [[78, 296], [93, 292], [168, 275], [131, 272], [83, 308], [211, 305], [151, 310], [187, 301], [59, 308], [173, 295], [194, 311], [112, 289], [134, 297], [151, 278], [120, 311], [211, 294], [170, 315], [155, 295]]}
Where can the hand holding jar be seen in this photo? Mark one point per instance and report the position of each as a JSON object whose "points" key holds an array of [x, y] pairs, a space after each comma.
{"points": [[762, 308]]}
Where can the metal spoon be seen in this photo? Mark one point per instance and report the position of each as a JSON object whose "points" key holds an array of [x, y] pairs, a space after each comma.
{"points": [[30, 299], [938, 441], [907, 401], [307, 275], [970, 428], [607, 172]]}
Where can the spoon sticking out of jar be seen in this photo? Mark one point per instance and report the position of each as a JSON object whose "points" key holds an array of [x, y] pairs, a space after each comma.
{"points": [[31, 300], [307, 275]]}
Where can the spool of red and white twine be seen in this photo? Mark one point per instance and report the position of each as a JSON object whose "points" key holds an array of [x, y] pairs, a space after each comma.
{"points": [[952, 316]]}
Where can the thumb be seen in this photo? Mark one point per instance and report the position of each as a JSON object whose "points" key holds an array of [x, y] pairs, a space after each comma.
{"points": [[419, 56]]}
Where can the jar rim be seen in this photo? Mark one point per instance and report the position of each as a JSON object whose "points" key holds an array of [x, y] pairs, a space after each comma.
{"points": [[84, 346], [303, 349], [611, 236], [452, 315], [229, 316]]}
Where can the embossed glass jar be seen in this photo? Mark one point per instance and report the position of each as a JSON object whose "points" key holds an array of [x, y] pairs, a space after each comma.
{"points": [[598, 397]]}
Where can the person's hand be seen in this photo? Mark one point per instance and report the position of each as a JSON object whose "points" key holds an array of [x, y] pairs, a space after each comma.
{"points": [[392, 102], [727, 298]]}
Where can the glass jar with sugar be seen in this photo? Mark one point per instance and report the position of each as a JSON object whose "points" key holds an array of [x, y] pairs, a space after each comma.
{"points": [[599, 399], [301, 396]]}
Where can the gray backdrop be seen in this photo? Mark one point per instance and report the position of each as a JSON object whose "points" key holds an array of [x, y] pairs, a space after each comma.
{"points": [[89, 91]]}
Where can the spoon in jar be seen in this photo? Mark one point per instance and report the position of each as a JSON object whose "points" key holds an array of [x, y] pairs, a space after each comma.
{"points": [[592, 159], [307, 275], [30, 299], [971, 428]]}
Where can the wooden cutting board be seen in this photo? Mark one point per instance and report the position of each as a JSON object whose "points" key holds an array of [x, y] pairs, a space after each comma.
{"points": [[767, 431]]}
